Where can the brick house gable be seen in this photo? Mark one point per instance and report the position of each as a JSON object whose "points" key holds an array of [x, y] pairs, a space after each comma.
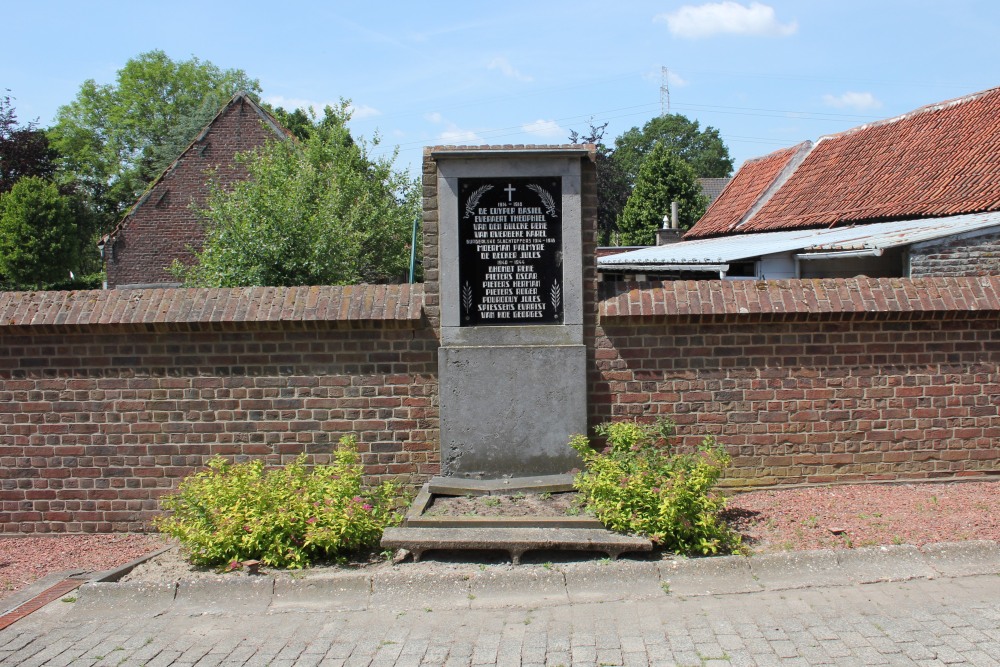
{"points": [[162, 225]]}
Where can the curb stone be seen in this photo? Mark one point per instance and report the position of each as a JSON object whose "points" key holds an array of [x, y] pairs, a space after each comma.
{"points": [[420, 586]]}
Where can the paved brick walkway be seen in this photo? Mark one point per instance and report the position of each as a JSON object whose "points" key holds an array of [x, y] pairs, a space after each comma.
{"points": [[918, 622]]}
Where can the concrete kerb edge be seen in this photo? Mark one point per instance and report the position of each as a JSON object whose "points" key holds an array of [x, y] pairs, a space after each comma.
{"points": [[116, 573], [464, 588]]}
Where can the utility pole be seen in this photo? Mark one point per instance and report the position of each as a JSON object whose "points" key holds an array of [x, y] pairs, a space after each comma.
{"points": [[664, 91]]}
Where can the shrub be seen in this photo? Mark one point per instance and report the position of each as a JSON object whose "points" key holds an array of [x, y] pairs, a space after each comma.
{"points": [[638, 485], [284, 517]]}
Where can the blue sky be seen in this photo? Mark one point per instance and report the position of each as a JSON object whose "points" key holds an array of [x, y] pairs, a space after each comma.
{"points": [[765, 74]]}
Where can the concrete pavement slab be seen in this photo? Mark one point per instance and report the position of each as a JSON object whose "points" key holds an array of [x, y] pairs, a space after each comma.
{"points": [[605, 580], [886, 563], [959, 559], [419, 587], [340, 591], [124, 598], [707, 576], [522, 586], [798, 569], [245, 594]]}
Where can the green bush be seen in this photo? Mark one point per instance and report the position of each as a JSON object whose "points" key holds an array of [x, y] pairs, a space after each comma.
{"points": [[637, 485], [284, 517]]}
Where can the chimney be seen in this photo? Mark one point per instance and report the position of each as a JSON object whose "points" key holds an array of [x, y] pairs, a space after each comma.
{"points": [[671, 232]]}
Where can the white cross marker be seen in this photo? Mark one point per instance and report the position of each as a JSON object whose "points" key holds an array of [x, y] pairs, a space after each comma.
{"points": [[510, 191]]}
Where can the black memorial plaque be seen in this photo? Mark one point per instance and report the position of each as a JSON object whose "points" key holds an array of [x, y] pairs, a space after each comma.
{"points": [[510, 254]]}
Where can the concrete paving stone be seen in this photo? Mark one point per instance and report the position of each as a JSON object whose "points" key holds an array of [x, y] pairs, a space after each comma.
{"points": [[411, 588], [797, 569], [718, 575], [885, 563], [233, 596], [523, 586], [123, 599], [982, 659], [602, 581], [335, 591], [948, 655]]}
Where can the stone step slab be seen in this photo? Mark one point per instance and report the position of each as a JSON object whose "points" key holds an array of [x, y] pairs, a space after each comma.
{"points": [[515, 541]]}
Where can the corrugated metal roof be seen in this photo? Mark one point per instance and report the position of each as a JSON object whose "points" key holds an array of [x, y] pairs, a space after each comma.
{"points": [[725, 249]]}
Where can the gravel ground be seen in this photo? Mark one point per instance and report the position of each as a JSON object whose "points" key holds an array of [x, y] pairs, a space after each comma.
{"points": [[839, 517], [23, 559]]}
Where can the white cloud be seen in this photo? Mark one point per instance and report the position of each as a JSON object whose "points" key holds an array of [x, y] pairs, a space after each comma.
{"points": [[359, 111], [852, 100], [546, 129], [453, 134], [695, 21], [507, 69]]}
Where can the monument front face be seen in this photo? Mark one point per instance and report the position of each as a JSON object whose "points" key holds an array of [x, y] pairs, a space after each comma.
{"points": [[510, 268], [512, 361]]}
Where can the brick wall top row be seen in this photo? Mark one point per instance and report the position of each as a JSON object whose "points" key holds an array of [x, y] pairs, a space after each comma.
{"points": [[880, 298], [401, 305], [153, 309]]}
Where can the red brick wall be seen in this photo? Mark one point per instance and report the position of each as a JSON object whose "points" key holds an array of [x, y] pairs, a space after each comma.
{"points": [[107, 399], [812, 381], [98, 420], [163, 225]]}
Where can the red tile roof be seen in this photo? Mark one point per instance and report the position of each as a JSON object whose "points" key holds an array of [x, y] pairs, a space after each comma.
{"points": [[942, 159], [751, 182]]}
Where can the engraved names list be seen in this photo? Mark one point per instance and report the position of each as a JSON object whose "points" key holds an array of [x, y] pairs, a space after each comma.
{"points": [[510, 250]]}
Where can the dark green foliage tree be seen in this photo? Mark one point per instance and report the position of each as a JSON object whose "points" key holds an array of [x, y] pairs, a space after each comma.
{"points": [[180, 135], [663, 178], [107, 137], [317, 212], [298, 121], [38, 241], [24, 149], [612, 185], [702, 149]]}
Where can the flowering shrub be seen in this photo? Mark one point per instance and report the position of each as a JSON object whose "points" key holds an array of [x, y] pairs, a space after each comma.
{"points": [[637, 485], [284, 517]]}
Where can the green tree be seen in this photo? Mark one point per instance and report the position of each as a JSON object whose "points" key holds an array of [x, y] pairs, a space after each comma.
{"points": [[663, 178], [702, 149], [24, 149], [108, 135], [317, 212], [612, 185], [38, 242]]}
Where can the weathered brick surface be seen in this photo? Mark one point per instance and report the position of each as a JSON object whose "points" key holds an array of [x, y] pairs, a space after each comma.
{"points": [[97, 420], [163, 224], [812, 381], [974, 256]]}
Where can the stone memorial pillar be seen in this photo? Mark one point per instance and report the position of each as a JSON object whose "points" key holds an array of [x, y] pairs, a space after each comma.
{"points": [[509, 259]]}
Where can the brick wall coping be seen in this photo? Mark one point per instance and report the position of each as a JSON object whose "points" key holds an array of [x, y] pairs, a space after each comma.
{"points": [[881, 298], [154, 309]]}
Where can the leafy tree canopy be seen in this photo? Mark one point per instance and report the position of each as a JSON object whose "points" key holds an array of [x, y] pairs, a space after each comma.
{"points": [[38, 243], [108, 135], [663, 178], [24, 149], [612, 185], [702, 149], [318, 212]]}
